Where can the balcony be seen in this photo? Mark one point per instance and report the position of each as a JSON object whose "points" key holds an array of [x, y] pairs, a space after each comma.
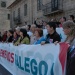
{"points": [[17, 20], [53, 7]]}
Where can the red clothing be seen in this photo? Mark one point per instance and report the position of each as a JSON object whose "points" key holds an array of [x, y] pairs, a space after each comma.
{"points": [[60, 25], [4, 37]]}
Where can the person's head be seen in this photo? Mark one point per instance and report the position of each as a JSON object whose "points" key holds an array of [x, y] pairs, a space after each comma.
{"points": [[44, 23], [10, 33], [29, 26], [18, 30], [51, 27], [40, 22], [33, 26], [71, 17], [38, 32], [15, 34], [23, 32], [69, 28], [63, 19]]}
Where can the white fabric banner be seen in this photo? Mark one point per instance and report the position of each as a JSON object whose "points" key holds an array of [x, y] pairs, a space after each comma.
{"points": [[31, 59]]}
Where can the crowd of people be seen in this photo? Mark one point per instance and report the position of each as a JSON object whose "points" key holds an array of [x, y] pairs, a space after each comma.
{"points": [[33, 34]]}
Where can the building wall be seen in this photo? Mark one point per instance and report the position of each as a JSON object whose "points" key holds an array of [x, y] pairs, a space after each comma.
{"points": [[32, 13], [68, 9], [23, 18], [4, 22]]}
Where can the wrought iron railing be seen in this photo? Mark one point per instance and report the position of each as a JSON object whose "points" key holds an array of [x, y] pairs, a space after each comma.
{"points": [[50, 7]]}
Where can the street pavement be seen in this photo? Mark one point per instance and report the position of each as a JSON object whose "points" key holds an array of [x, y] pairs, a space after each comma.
{"points": [[3, 71]]}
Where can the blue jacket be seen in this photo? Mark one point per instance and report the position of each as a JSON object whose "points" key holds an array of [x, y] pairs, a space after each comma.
{"points": [[40, 40]]}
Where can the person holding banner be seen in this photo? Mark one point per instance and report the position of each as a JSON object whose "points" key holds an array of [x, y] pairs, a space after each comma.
{"points": [[69, 30], [24, 38], [52, 35], [4, 36], [15, 37], [9, 36], [39, 36]]}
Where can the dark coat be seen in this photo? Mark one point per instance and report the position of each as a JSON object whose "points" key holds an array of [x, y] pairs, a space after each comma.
{"points": [[10, 39], [70, 66]]}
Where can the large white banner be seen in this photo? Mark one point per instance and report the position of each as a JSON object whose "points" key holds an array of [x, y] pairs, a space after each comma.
{"points": [[32, 59], [7, 52]]}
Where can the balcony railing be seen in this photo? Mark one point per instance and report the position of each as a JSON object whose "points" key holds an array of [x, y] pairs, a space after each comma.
{"points": [[53, 7], [17, 20]]}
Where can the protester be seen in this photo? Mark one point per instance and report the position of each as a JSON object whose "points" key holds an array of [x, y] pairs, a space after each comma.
{"points": [[69, 30], [18, 31], [15, 37], [44, 25], [27, 27], [42, 33], [24, 38], [62, 20], [4, 36], [33, 38], [29, 31], [52, 35], [9, 36], [39, 24], [72, 18], [39, 36]]}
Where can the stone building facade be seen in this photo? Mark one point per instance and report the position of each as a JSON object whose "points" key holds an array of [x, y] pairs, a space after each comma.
{"points": [[26, 11], [5, 15]]}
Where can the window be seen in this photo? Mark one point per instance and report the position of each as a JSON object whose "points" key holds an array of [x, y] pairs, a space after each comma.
{"points": [[8, 16], [54, 5], [25, 10], [39, 4], [3, 4], [18, 12]]}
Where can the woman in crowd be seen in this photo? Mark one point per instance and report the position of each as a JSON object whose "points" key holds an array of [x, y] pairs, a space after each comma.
{"points": [[69, 30], [15, 37], [9, 36], [39, 36], [24, 38]]}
